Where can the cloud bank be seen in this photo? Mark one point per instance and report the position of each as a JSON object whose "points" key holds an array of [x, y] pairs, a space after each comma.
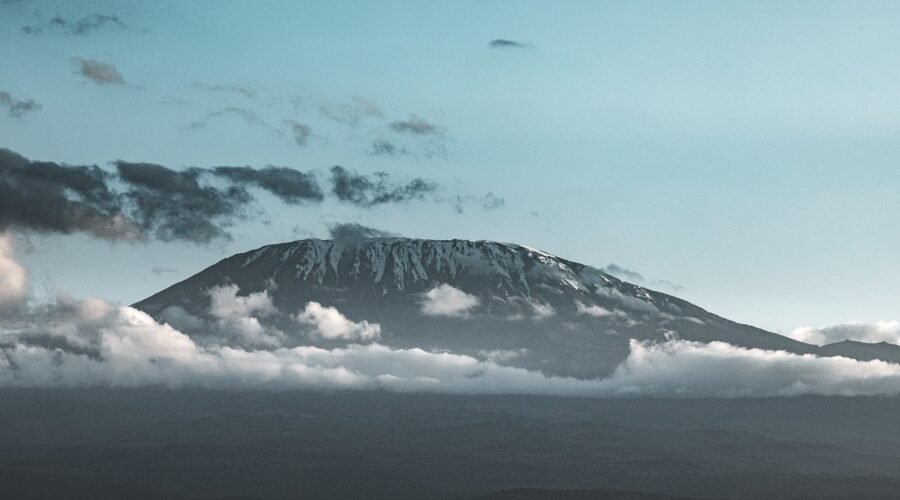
{"points": [[93, 343], [879, 331]]}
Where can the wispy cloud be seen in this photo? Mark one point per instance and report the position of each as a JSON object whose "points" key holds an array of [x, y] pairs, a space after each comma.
{"points": [[502, 43], [17, 108], [80, 27]]}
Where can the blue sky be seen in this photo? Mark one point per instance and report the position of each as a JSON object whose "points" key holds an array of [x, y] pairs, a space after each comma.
{"points": [[745, 152]]}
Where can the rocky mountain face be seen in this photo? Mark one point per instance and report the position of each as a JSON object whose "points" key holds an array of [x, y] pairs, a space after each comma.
{"points": [[514, 304]]}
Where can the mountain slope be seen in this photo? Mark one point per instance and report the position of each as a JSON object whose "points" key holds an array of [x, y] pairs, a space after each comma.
{"points": [[533, 310]]}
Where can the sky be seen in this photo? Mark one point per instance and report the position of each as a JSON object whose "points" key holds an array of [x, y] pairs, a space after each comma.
{"points": [[741, 156]]}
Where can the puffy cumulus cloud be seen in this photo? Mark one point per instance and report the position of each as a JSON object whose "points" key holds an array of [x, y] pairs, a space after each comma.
{"points": [[445, 300], [329, 323], [289, 185], [679, 368], [879, 331], [13, 277], [238, 316]]}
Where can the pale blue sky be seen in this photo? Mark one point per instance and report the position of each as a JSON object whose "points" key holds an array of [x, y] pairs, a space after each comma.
{"points": [[746, 151]]}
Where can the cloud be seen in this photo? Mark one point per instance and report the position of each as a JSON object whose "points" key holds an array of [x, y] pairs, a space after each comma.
{"points": [[387, 148], [17, 108], [501, 43], [350, 112], [301, 132], [13, 277], [678, 368], [98, 72], [232, 89], [175, 206], [351, 231], [622, 273], [445, 300], [249, 117], [594, 310], [329, 323], [83, 26], [880, 331], [289, 185], [366, 191], [54, 198], [238, 316], [160, 270], [91, 343], [139, 201], [416, 125]]}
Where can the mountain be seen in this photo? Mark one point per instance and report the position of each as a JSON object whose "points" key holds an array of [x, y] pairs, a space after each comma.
{"points": [[527, 308], [864, 351]]}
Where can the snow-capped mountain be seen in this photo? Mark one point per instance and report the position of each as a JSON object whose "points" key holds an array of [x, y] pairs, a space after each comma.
{"points": [[517, 305]]}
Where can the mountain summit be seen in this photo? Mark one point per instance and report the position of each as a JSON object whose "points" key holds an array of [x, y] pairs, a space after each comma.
{"points": [[511, 303]]}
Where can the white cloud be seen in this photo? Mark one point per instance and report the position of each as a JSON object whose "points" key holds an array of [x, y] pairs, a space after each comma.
{"points": [[679, 368], [329, 323], [445, 300], [880, 331], [238, 316], [13, 277], [594, 310]]}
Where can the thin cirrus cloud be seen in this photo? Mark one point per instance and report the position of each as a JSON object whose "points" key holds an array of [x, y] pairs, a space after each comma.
{"points": [[141, 201]]}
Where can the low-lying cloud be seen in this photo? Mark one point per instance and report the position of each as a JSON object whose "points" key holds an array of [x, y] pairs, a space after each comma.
{"points": [[329, 323], [879, 331], [91, 342], [446, 300]]}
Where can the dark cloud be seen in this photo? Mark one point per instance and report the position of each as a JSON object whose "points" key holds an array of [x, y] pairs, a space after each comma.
{"points": [[417, 126], [54, 198], [17, 108], [501, 43], [98, 72], [352, 231], [366, 191], [300, 132], [143, 201], [233, 89], [173, 205], [489, 201], [387, 148], [291, 186], [83, 26], [350, 112]]}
